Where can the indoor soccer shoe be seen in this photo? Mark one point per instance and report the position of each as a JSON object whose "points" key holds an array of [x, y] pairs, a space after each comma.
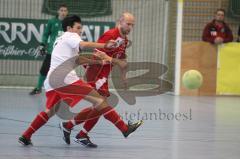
{"points": [[85, 141], [35, 91], [22, 140], [66, 133], [132, 127]]}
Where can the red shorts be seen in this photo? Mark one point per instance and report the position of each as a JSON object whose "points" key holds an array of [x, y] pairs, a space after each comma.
{"points": [[71, 94], [97, 77]]}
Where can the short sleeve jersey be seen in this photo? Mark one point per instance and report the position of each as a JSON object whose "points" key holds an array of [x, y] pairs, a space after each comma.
{"points": [[65, 51], [96, 71]]}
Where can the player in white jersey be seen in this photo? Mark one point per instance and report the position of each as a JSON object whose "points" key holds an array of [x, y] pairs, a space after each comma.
{"points": [[62, 82]]}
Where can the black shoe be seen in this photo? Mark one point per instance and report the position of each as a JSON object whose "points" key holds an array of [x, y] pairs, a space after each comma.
{"points": [[22, 140], [132, 127], [66, 133], [85, 141], [35, 91]]}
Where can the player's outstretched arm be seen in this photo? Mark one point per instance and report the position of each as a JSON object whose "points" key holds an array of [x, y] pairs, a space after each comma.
{"points": [[96, 58], [122, 63], [81, 60], [109, 45]]}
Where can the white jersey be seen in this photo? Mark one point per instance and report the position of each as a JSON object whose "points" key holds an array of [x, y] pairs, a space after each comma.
{"points": [[65, 51]]}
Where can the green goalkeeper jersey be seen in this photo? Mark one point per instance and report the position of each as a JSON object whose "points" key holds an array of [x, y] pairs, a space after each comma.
{"points": [[51, 32]]}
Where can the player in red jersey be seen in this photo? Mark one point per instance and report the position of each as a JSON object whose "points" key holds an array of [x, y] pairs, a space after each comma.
{"points": [[97, 76]]}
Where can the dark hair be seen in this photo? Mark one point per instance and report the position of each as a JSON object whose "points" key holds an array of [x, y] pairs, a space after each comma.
{"points": [[62, 5], [69, 21], [220, 9]]}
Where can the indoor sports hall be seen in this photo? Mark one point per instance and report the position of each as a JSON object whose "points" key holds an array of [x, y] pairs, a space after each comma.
{"points": [[181, 81]]}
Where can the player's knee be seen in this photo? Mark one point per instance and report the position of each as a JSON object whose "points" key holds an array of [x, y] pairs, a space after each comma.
{"points": [[101, 103], [49, 112]]}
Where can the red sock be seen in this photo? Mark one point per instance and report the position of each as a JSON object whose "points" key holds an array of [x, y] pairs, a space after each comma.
{"points": [[113, 117], [110, 114], [90, 114], [88, 125], [38, 122], [79, 118]]}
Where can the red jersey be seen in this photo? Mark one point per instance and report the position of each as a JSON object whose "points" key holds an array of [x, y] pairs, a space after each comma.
{"points": [[97, 71], [97, 75]]}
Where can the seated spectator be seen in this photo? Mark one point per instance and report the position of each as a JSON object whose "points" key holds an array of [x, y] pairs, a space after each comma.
{"points": [[217, 31]]}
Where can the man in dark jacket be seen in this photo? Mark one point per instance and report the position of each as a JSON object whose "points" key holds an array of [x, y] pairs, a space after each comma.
{"points": [[217, 31]]}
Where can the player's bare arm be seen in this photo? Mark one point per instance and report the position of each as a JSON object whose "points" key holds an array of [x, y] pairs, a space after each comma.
{"points": [[109, 45], [124, 78], [96, 58], [122, 63], [81, 60]]}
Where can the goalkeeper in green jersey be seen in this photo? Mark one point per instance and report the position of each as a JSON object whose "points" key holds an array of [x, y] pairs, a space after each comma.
{"points": [[51, 32]]}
